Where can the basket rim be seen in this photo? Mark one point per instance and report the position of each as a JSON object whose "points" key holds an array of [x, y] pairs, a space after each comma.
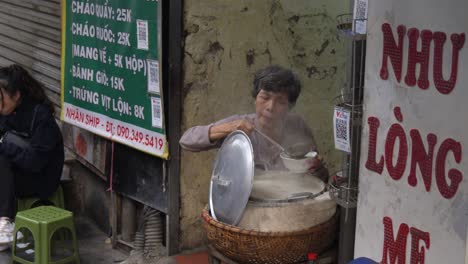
{"points": [[211, 221]]}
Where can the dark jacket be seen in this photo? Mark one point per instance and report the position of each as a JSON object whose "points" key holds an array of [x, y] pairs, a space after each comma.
{"points": [[42, 162]]}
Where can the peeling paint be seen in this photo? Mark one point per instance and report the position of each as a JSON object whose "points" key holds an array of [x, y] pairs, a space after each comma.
{"points": [[321, 73], [322, 49], [250, 57]]}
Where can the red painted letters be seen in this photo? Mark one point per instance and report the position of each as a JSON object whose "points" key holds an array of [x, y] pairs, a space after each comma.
{"points": [[455, 175], [396, 131], [418, 257], [418, 156], [394, 250], [416, 57], [371, 162], [458, 40], [395, 53], [392, 50]]}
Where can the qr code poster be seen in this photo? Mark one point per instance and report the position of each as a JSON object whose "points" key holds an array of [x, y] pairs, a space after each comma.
{"points": [[360, 16], [156, 108], [153, 76], [341, 129], [142, 34]]}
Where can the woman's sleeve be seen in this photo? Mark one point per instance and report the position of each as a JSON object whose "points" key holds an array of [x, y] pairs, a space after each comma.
{"points": [[46, 136], [197, 138]]}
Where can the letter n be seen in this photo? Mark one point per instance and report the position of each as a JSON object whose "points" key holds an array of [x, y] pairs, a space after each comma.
{"points": [[392, 50]]}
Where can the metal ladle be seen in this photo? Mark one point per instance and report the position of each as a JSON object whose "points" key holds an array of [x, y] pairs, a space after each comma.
{"points": [[295, 151]]}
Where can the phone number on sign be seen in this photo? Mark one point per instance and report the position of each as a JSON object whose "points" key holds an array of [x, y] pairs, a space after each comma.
{"points": [[134, 135]]}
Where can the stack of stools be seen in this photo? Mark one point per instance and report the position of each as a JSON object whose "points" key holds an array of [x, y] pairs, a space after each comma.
{"points": [[43, 222]]}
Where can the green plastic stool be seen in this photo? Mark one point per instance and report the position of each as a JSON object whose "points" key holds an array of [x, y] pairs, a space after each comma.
{"points": [[43, 222], [56, 199]]}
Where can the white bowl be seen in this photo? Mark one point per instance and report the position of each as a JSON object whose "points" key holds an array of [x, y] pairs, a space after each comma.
{"points": [[301, 165]]}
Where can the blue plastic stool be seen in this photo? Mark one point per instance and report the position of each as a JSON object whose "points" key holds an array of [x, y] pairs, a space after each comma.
{"points": [[362, 260]]}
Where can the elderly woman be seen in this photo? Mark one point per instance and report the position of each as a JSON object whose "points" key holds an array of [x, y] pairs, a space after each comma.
{"points": [[275, 90]]}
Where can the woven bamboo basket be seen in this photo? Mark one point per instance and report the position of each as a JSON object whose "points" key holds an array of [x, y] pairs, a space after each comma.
{"points": [[248, 246]]}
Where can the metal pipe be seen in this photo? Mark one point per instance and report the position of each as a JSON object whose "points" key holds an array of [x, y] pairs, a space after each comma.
{"points": [[355, 73], [347, 234], [173, 18]]}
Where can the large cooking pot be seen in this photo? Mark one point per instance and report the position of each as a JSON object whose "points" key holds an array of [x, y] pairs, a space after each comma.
{"points": [[265, 217], [281, 201], [267, 201]]}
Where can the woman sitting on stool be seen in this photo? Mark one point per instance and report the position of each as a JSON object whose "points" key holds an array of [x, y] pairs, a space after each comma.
{"points": [[31, 145]]}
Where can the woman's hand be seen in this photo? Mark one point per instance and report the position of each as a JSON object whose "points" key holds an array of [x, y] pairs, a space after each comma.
{"points": [[314, 164], [220, 131]]}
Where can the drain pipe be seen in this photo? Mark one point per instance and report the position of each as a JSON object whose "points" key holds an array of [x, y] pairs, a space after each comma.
{"points": [[149, 237], [153, 233], [147, 245]]}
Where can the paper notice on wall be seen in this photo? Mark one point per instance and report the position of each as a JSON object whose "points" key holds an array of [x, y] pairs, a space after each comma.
{"points": [[153, 76], [360, 16], [142, 34], [156, 120], [341, 128]]}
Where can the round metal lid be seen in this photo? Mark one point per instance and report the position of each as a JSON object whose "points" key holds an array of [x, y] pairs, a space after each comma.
{"points": [[232, 178]]}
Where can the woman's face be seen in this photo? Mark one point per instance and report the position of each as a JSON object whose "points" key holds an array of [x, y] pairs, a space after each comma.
{"points": [[8, 103], [271, 108]]}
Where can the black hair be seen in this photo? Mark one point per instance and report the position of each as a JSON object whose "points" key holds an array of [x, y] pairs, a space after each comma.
{"points": [[276, 79], [15, 78]]}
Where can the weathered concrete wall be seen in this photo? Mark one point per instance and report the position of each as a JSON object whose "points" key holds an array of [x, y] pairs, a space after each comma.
{"points": [[226, 42], [86, 195]]}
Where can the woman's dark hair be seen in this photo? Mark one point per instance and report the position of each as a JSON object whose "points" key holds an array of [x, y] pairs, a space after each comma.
{"points": [[276, 79], [15, 78]]}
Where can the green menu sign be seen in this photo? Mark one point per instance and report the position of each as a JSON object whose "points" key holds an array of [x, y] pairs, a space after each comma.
{"points": [[111, 81]]}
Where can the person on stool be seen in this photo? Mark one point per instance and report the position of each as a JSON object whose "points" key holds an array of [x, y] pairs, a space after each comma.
{"points": [[31, 145]]}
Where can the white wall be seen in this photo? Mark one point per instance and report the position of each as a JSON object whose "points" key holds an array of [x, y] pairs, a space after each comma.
{"points": [[442, 219]]}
